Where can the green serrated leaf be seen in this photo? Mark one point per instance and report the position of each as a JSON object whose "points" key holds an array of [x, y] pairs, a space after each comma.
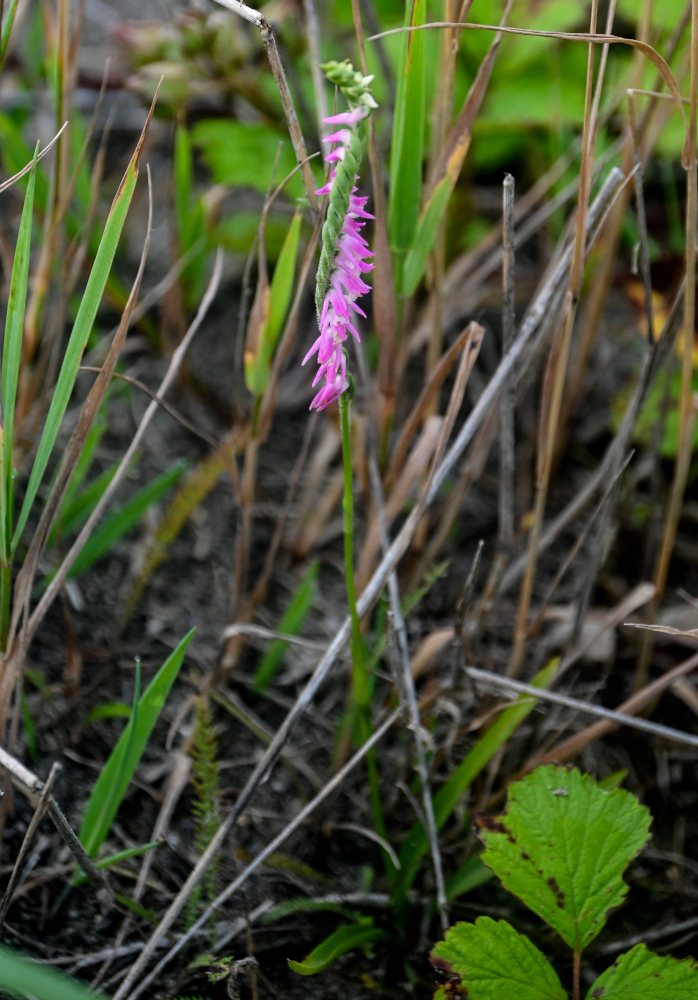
{"points": [[562, 846], [495, 962], [338, 943], [642, 975]]}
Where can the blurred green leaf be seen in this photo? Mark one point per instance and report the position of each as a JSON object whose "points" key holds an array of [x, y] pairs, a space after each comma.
{"points": [[290, 624], [243, 154], [468, 877], [338, 943], [125, 518], [20, 976]]}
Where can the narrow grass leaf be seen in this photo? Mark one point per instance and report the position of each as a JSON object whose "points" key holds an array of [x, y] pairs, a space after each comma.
{"points": [[642, 975], [6, 29], [12, 356], [110, 787], [562, 847], [120, 856], [448, 796], [407, 147], [290, 624], [84, 463], [495, 962], [446, 172], [258, 355], [125, 518], [20, 976], [82, 328], [76, 512], [338, 943]]}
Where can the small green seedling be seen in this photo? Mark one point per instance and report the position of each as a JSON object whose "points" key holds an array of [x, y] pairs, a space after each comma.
{"points": [[561, 846]]}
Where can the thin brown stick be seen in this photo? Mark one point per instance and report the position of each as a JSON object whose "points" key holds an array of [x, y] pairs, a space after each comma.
{"points": [[294, 129], [39, 812], [28, 783], [506, 414]]}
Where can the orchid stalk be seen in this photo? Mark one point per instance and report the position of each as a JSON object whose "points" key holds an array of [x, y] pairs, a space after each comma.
{"points": [[344, 259], [345, 252]]}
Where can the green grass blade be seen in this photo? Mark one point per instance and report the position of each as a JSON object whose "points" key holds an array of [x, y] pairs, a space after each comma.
{"points": [[75, 513], [290, 624], [116, 859], [258, 360], [6, 29], [20, 976], [9, 378], [110, 787], [12, 356], [125, 518], [78, 338], [407, 149], [448, 796], [83, 466]]}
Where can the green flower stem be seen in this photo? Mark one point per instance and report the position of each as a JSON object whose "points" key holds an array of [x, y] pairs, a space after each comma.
{"points": [[361, 688], [5, 593]]}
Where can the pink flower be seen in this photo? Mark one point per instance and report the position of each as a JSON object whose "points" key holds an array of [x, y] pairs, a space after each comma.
{"points": [[345, 283]]}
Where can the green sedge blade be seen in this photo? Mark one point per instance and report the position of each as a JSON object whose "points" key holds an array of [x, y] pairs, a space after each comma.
{"points": [[82, 328], [407, 149], [124, 519], [290, 624], [12, 356], [22, 976]]}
